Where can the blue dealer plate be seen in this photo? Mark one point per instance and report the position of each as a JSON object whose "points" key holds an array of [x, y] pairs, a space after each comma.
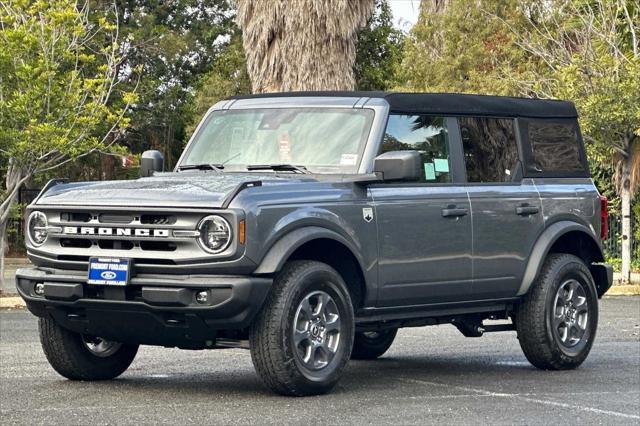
{"points": [[108, 271]]}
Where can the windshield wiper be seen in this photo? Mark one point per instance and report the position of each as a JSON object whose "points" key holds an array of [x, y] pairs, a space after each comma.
{"points": [[204, 166], [279, 168]]}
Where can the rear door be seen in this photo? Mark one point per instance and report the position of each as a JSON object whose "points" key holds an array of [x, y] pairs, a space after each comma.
{"points": [[506, 209], [424, 228]]}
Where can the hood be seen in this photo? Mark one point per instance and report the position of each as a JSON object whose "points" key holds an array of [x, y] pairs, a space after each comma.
{"points": [[185, 189]]}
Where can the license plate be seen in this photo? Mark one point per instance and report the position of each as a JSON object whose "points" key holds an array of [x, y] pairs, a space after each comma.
{"points": [[108, 271]]}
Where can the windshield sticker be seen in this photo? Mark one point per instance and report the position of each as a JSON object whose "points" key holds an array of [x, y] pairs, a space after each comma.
{"points": [[442, 165], [429, 171], [348, 159], [284, 146]]}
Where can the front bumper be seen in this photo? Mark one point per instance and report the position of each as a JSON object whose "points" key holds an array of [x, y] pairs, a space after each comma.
{"points": [[151, 309]]}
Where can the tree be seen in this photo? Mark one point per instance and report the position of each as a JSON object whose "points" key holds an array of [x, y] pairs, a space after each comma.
{"points": [[379, 50], [589, 52], [174, 43], [378, 54], [456, 46], [227, 77], [57, 74], [301, 44]]}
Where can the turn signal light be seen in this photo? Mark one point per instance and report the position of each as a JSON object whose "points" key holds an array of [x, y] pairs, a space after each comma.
{"points": [[241, 232]]}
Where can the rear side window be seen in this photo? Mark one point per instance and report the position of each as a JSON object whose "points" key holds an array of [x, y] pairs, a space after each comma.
{"points": [[423, 133], [490, 150], [555, 146]]}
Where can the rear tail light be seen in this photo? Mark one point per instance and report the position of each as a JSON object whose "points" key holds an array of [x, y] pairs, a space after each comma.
{"points": [[604, 217]]}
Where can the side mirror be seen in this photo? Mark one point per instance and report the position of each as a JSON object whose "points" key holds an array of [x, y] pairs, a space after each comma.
{"points": [[151, 162], [398, 165]]}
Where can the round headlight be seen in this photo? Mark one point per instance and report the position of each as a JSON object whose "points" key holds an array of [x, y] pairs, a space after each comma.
{"points": [[215, 233], [37, 226]]}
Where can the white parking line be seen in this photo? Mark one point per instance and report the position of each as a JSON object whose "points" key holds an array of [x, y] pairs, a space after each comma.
{"points": [[524, 398]]}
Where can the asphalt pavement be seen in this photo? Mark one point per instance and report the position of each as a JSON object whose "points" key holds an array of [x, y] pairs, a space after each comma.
{"points": [[431, 375]]}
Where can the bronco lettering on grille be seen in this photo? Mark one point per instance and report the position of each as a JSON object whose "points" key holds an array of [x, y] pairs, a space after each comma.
{"points": [[118, 232]]}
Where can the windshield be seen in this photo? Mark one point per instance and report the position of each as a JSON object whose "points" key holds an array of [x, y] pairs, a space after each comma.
{"points": [[321, 140]]}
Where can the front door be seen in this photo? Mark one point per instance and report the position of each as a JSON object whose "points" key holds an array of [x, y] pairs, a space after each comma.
{"points": [[424, 228]]}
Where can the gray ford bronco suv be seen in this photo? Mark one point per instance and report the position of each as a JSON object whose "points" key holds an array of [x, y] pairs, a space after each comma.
{"points": [[309, 227]]}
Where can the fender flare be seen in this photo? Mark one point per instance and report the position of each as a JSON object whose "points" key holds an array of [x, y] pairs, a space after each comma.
{"points": [[542, 246], [282, 249]]}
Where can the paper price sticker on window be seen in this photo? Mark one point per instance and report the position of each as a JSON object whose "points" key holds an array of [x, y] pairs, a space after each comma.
{"points": [[348, 159], [441, 165], [284, 147], [429, 171]]}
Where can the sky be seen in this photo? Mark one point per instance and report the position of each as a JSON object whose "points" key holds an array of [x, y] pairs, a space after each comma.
{"points": [[405, 13]]}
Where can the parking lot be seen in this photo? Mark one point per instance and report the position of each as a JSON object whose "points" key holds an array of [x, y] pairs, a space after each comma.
{"points": [[430, 375]]}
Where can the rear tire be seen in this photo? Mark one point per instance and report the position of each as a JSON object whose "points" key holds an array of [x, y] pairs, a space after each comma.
{"points": [[301, 340], [558, 317], [372, 345], [79, 357]]}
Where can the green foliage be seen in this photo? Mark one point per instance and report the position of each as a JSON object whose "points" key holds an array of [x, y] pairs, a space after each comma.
{"points": [[56, 75], [227, 77], [467, 48], [379, 50], [174, 43]]}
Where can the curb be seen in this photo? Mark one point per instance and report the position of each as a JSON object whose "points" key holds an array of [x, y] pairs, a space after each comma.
{"points": [[11, 302], [624, 290]]}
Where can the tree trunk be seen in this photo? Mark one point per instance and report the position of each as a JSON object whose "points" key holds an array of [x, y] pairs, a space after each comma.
{"points": [[301, 45], [13, 183], [625, 196]]}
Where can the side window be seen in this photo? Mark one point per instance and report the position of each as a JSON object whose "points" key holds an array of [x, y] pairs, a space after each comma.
{"points": [[555, 146], [425, 134], [490, 150]]}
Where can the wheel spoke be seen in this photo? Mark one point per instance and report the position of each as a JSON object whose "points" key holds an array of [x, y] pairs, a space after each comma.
{"points": [[300, 336], [321, 307], [569, 292], [308, 356], [559, 310], [333, 325], [563, 331], [558, 318], [323, 356], [305, 307], [582, 320]]}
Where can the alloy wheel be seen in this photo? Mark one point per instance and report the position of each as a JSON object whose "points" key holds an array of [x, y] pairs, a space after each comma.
{"points": [[317, 330], [100, 347], [570, 319]]}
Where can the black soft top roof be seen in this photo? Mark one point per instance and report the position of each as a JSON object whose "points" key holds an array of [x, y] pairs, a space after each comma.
{"points": [[451, 103]]}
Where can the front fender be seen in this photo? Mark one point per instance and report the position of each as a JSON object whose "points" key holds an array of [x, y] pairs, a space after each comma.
{"points": [[282, 249], [546, 240]]}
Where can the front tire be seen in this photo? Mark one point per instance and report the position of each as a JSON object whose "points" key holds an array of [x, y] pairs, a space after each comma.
{"points": [[79, 357], [558, 318], [301, 340], [372, 344]]}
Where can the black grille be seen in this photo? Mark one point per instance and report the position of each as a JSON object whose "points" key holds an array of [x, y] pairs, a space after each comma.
{"points": [[115, 218], [72, 242], [158, 245], [115, 244], [75, 217], [157, 219]]}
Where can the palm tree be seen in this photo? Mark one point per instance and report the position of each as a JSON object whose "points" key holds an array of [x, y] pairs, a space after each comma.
{"points": [[301, 44]]}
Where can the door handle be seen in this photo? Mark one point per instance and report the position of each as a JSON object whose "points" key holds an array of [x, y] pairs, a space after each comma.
{"points": [[526, 210], [454, 212]]}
